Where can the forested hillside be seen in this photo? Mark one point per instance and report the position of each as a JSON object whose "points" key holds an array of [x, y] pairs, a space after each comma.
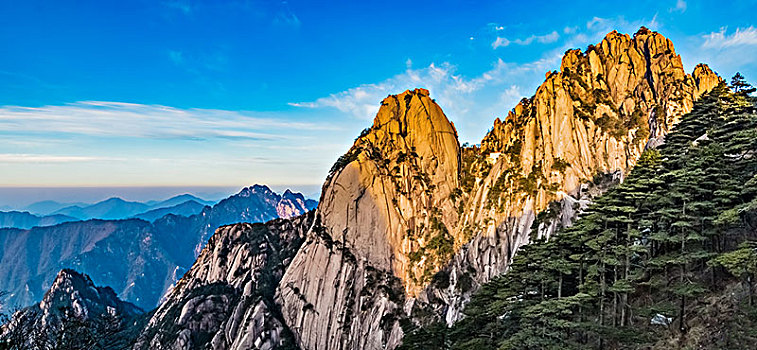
{"points": [[667, 259]]}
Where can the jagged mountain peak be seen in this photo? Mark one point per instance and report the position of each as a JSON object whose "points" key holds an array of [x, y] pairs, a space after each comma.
{"points": [[256, 189], [582, 130], [77, 291], [73, 314], [409, 224], [404, 167]]}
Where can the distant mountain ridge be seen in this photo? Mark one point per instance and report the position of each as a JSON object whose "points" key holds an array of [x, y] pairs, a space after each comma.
{"points": [[109, 209], [138, 259], [48, 213], [48, 207], [187, 208], [26, 220], [116, 208]]}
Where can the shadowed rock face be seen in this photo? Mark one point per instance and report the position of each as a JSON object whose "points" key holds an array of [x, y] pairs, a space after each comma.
{"points": [[225, 301], [73, 307], [409, 224], [138, 259]]}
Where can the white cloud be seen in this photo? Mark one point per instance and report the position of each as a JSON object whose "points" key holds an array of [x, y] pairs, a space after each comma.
{"points": [[594, 21], [103, 118], [500, 42], [472, 102], [48, 158], [598, 26], [442, 80], [721, 40], [680, 6], [543, 39]]}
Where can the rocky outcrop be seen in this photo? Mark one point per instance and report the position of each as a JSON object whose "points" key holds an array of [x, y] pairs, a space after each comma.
{"points": [[73, 311], [138, 259], [385, 201], [407, 202], [225, 301], [410, 224], [583, 130], [293, 204], [77, 291]]}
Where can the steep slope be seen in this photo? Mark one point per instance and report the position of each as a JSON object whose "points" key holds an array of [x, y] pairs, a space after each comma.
{"points": [[126, 255], [140, 260], [409, 224], [25, 220], [582, 131], [293, 204], [256, 203], [665, 260], [403, 202], [226, 300], [388, 197], [77, 291], [73, 314]]}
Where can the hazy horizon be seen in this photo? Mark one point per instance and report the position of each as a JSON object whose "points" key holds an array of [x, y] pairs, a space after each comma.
{"points": [[16, 198], [225, 92]]}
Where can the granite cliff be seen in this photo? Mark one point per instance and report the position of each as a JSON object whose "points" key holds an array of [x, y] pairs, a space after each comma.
{"points": [[581, 132], [410, 223]]}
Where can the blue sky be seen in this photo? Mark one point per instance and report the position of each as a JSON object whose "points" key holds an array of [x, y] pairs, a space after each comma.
{"points": [[231, 93]]}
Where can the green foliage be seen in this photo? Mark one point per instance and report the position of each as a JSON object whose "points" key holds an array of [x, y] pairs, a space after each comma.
{"points": [[740, 85], [663, 244], [560, 164]]}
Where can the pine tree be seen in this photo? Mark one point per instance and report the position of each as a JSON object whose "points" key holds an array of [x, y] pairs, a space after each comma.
{"points": [[740, 85]]}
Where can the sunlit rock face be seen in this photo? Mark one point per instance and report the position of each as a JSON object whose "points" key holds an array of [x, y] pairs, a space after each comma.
{"points": [[407, 201], [386, 200], [581, 132], [410, 224]]}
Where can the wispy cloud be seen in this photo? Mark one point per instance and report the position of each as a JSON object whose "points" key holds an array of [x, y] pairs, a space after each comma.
{"points": [[103, 118], [604, 25], [177, 57], [679, 7], [442, 80], [543, 39], [721, 39], [472, 102], [48, 158]]}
